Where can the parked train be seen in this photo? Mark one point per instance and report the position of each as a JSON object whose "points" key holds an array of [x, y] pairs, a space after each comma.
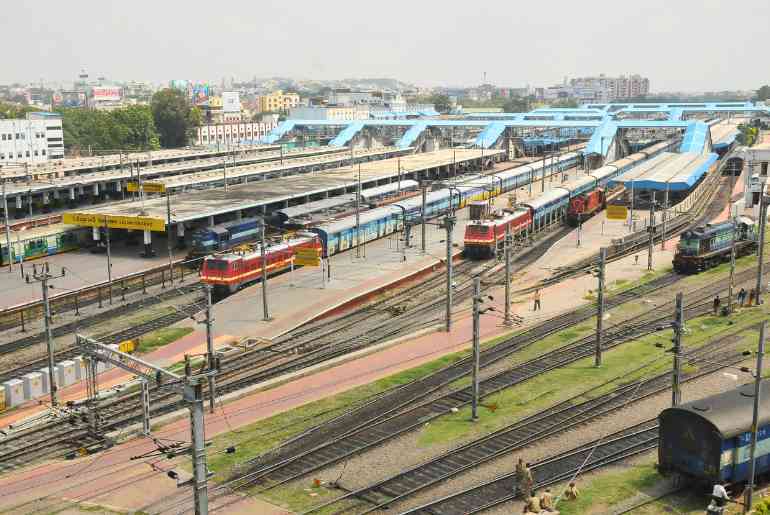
{"points": [[708, 440], [217, 238], [43, 241], [705, 247], [228, 272], [578, 199]]}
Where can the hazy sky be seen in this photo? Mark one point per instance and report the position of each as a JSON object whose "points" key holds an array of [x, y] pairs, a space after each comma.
{"points": [[678, 44]]}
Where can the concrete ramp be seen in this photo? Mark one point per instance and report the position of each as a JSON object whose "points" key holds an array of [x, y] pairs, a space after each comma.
{"points": [[411, 135], [347, 134], [279, 132], [489, 136]]}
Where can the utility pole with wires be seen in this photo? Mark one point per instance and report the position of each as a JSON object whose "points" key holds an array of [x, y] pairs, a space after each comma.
{"points": [[211, 359], [263, 244], [600, 307], [651, 232], [731, 285], [755, 417], [761, 250], [398, 185], [42, 275], [424, 186], [7, 219], [224, 171], [358, 213], [507, 320], [169, 244], [663, 217], [476, 349], [449, 222], [109, 258], [678, 326]]}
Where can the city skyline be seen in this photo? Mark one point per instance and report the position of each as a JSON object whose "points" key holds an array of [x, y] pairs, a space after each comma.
{"points": [[422, 44]]}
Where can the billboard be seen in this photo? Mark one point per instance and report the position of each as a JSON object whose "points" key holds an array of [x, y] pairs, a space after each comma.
{"points": [[141, 223], [231, 102], [106, 93], [200, 92]]}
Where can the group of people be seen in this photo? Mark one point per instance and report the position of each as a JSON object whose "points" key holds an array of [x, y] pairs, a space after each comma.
{"points": [[534, 503], [740, 297]]}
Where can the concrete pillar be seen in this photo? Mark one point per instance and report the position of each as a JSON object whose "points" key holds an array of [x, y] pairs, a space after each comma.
{"points": [[45, 198], [56, 194], [239, 215], [180, 234], [95, 232], [82, 190], [211, 221], [96, 190], [19, 204], [148, 244]]}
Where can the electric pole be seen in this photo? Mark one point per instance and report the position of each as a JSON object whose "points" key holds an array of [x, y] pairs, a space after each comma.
{"points": [[43, 275], [755, 417], [168, 237], [600, 307], [224, 171], [109, 257], [424, 194], [7, 228], [476, 350], [209, 321], [265, 312], [449, 222], [358, 213], [732, 266], [663, 216], [761, 250], [507, 319], [676, 379], [651, 232]]}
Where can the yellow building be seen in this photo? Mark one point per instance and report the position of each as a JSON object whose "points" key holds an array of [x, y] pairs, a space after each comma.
{"points": [[278, 101]]}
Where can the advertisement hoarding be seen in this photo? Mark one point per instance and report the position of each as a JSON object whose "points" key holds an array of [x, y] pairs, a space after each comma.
{"points": [[104, 93]]}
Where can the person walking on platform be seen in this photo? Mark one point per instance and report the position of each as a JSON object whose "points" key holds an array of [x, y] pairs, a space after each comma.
{"points": [[532, 504], [717, 302], [536, 307], [742, 297]]}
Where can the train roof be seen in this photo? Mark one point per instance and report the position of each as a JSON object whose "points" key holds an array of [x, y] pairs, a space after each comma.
{"points": [[364, 217], [708, 229], [546, 198], [506, 217], [232, 255], [730, 412]]}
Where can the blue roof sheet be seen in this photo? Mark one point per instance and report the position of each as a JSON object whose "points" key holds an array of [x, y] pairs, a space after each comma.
{"points": [[696, 138]]}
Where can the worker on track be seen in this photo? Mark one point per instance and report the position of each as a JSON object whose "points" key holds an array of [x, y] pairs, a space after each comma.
{"points": [[717, 302], [742, 297], [719, 495], [532, 505], [546, 501], [536, 297], [572, 492]]}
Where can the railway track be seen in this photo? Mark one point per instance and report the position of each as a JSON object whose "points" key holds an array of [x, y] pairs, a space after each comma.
{"points": [[392, 421], [557, 419], [614, 448]]}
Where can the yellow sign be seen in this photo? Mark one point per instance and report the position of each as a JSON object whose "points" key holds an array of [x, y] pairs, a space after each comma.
{"points": [[307, 257], [141, 223], [147, 187], [617, 212], [300, 261]]}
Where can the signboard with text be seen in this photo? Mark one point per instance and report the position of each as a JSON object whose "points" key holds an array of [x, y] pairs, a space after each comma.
{"points": [[103, 93], [147, 187], [617, 212], [140, 223]]}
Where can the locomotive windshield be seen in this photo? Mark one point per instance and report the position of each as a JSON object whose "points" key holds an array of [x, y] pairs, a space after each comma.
{"points": [[203, 239], [689, 247]]}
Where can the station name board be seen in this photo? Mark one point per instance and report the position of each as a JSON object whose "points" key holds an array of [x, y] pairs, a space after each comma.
{"points": [[140, 223]]}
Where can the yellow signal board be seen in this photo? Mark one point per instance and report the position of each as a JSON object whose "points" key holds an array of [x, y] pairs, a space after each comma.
{"points": [[617, 212], [141, 223], [307, 257], [147, 187]]}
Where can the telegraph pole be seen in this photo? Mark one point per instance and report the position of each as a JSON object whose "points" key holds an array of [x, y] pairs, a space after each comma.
{"points": [[650, 232], [224, 171], [664, 215], [42, 276], [209, 321], [732, 266], [755, 417], [7, 228], [676, 379], [507, 319], [109, 257], [476, 350], [761, 250], [265, 312], [600, 307], [398, 185], [424, 194], [449, 222], [168, 237], [358, 213]]}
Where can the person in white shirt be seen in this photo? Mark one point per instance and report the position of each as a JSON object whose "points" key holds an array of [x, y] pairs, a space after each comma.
{"points": [[719, 494]]}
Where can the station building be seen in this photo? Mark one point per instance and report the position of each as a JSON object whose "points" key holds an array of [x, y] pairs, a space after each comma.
{"points": [[37, 138]]}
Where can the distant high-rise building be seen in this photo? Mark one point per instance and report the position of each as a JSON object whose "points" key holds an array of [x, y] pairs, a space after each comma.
{"points": [[614, 88]]}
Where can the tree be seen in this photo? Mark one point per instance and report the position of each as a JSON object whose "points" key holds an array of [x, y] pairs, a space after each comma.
{"points": [[12, 111], [441, 102], [127, 128], [517, 105], [565, 102], [763, 93], [173, 117]]}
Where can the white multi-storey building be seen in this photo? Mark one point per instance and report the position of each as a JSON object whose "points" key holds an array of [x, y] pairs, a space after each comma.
{"points": [[37, 138], [232, 133]]}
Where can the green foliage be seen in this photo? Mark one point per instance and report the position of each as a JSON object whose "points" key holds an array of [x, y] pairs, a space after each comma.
{"points": [[9, 111], [174, 117], [127, 128], [763, 93], [763, 507], [518, 105], [441, 102], [565, 102], [748, 135]]}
